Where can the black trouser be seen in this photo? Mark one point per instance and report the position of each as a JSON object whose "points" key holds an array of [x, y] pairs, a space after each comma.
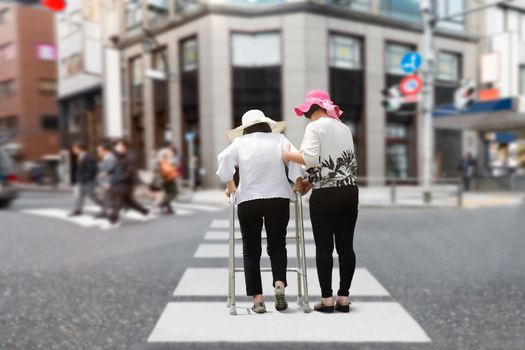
{"points": [[276, 214], [333, 212], [123, 199], [170, 192]]}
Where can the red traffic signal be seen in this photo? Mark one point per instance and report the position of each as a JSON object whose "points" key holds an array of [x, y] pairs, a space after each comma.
{"points": [[54, 5]]}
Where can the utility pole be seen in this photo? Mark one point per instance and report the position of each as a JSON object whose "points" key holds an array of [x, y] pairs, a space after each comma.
{"points": [[428, 21]]}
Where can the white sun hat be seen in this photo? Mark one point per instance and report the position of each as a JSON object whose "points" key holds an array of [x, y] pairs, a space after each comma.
{"points": [[253, 117]]}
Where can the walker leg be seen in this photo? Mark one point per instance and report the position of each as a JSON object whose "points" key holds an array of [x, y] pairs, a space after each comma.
{"points": [[231, 260], [301, 251], [298, 242]]}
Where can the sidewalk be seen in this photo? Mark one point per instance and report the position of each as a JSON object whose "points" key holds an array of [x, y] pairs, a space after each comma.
{"points": [[407, 197]]}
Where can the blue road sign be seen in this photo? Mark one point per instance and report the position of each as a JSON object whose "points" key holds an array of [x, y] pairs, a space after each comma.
{"points": [[411, 62]]}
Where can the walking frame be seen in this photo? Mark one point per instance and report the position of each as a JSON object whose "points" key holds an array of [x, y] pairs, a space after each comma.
{"points": [[300, 270]]}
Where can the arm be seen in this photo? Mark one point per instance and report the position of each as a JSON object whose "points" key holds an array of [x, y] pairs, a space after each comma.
{"points": [[295, 170], [310, 150], [228, 160], [296, 157]]}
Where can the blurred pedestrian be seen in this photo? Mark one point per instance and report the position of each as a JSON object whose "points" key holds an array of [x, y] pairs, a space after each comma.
{"points": [[85, 177], [467, 168], [122, 184], [327, 151], [263, 197], [108, 162], [155, 180], [169, 173]]}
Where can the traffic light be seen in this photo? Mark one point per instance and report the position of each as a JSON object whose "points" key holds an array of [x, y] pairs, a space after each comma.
{"points": [[464, 95], [392, 99]]}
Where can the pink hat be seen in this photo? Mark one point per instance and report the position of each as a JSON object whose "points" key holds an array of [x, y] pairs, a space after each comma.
{"points": [[322, 99]]}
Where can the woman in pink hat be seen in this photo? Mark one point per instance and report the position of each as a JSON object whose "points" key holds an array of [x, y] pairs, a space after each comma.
{"points": [[327, 151]]}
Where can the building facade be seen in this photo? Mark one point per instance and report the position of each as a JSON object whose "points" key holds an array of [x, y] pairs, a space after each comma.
{"points": [[231, 56], [495, 123], [28, 87], [80, 73]]}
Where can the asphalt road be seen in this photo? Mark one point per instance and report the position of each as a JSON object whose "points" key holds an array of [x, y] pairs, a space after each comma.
{"points": [[460, 274]]}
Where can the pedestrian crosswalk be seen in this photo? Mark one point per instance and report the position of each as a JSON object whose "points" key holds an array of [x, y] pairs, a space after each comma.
{"points": [[197, 312], [88, 220]]}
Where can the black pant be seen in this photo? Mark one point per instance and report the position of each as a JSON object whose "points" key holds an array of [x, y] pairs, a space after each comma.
{"points": [[170, 193], [276, 214], [119, 200], [333, 212]]}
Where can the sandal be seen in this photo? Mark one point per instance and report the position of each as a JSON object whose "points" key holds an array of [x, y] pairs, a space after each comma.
{"points": [[342, 307], [327, 309], [259, 307]]}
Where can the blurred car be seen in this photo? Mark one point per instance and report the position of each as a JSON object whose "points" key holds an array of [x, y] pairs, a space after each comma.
{"points": [[8, 176]]}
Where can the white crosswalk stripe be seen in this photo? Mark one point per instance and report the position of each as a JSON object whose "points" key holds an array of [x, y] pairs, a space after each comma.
{"points": [[222, 250], [224, 235], [225, 224], [368, 321], [214, 282], [210, 322], [88, 220]]}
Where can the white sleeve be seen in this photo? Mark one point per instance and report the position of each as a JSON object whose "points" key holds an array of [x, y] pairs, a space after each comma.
{"points": [[311, 148], [228, 160], [295, 170]]}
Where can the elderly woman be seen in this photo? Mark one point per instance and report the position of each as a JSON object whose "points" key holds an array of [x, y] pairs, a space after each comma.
{"points": [[327, 151], [263, 197]]}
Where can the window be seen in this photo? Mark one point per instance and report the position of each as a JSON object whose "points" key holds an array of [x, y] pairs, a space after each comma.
{"points": [[5, 16], [345, 52], [159, 63], [189, 55], [256, 50], [357, 5], [47, 87], [46, 52], [157, 10], [8, 88], [72, 65], [136, 70], [133, 10], [7, 52], [396, 131], [9, 125], [448, 66], [92, 10], [405, 10], [49, 122], [451, 7], [70, 24], [346, 79], [394, 54], [256, 62], [397, 161]]}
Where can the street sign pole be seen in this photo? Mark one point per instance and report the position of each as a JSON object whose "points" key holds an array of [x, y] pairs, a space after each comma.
{"points": [[428, 96]]}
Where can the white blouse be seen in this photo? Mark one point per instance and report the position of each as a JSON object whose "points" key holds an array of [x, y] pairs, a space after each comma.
{"points": [[262, 170], [328, 151]]}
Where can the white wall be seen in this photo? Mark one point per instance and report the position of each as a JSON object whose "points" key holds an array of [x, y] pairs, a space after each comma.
{"points": [[76, 36]]}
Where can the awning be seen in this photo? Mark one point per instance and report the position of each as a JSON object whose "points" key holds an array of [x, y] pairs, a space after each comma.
{"points": [[497, 115]]}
